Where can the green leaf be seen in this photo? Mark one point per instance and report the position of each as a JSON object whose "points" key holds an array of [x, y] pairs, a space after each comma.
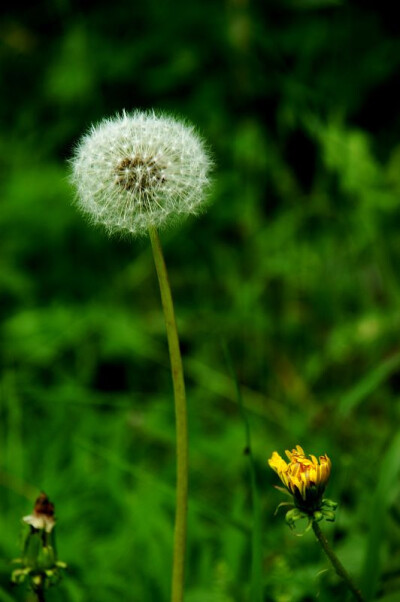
{"points": [[381, 502], [256, 536], [368, 384]]}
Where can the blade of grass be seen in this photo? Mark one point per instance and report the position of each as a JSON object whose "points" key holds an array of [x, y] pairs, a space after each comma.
{"points": [[165, 488], [381, 502], [368, 384], [14, 444], [256, 591], [4, 597]]}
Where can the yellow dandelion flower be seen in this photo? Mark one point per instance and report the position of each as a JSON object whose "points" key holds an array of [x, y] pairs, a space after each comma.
{"points": [[304, 477]]}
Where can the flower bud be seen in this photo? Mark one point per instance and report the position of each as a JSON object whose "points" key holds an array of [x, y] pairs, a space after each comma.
{"points": [[305, 478], [39, 564]]}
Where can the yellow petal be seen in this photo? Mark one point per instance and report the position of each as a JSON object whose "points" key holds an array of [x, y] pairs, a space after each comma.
{"points": [[284, 479], [302, 489], [295, 469], [289, 454], [276, 462]]}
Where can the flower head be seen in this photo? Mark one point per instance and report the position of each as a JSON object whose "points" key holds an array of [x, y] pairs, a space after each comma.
{"points": [[305, 478], [139, 170]]}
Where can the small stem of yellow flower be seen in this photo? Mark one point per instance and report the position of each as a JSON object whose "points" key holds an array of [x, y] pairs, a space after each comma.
{"points": [[178, 569], [39, 591], [337, 565]]}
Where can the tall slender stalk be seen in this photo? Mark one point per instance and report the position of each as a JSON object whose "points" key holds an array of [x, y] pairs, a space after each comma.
{"points": [[337, 565], [178, 570]]}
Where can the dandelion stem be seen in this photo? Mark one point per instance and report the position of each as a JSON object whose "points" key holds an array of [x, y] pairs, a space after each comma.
{"points": [[178, 569], [337, 565], [39, 591]]}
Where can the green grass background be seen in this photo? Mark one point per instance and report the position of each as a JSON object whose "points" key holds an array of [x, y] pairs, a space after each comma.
{"points": [[294, 269]]}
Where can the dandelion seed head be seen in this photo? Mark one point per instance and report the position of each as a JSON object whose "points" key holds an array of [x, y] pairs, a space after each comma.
{"points": [[138, 170]]}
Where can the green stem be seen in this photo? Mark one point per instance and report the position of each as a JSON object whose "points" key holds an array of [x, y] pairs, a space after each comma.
{"points": [[39, 591], [337, 565], [178, 569]]}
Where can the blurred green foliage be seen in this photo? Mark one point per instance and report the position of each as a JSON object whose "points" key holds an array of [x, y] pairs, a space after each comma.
{"points": [[295, 267]]}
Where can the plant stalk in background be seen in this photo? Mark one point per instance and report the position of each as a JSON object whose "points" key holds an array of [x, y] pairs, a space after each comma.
{"points": [[256, 584]]}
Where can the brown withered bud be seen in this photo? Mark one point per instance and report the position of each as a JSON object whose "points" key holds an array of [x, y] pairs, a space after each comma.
{"points": [[42, 516]]}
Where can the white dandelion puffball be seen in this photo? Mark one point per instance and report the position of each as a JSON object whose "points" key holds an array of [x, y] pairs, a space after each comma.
{"points": [[139, 170]]}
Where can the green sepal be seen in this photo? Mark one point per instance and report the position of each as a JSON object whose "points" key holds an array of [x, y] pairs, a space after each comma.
{"points": [[318, 516], [329, 515], [283, 490], [293, 515], [281, 505], [329, 504], [18, 576], [328, 508]]}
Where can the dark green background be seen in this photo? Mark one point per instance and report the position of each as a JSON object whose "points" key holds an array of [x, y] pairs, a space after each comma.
{"points": [[294, 266]]}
